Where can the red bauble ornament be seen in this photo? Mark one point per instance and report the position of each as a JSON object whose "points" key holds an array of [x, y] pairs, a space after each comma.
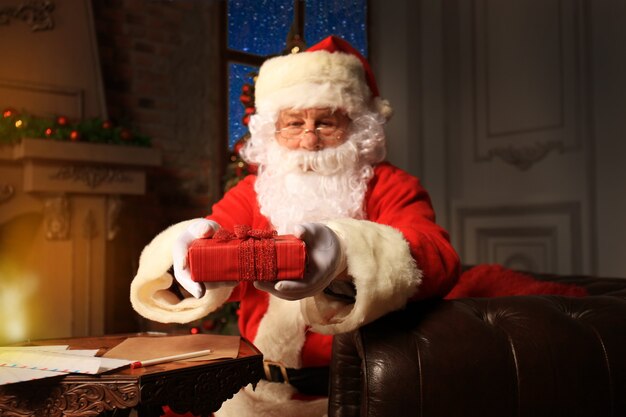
{"points": [[107, 124], [246, 120], [126, 134], [6, 113], [238, 145], [49, 132], [75, 135], [208, 325], [62, 121]]}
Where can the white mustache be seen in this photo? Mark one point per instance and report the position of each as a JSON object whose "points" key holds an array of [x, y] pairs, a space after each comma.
{"points": [[329, 161]]}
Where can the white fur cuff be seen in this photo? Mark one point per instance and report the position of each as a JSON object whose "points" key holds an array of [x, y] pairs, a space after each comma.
{"points": [[383, 271], [149, 292]]}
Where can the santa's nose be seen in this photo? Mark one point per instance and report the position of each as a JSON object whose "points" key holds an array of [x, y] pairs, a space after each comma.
{"points": [[310, 140]]}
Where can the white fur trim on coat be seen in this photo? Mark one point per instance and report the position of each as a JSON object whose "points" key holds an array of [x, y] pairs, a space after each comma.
{"points": [[382, 269], [282, 332], [149, 292], [271, 399]]}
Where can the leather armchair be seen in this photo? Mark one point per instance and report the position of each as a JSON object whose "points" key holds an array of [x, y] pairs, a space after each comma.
{"points": [[508, 356]]}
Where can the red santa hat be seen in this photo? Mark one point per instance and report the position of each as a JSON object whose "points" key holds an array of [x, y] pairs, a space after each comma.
{"points": [[329, 74]]}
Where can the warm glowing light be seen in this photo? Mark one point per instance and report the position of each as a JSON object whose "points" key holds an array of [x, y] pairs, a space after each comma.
{"points": [[19, 123], [194, 330], [15, 330], [14, 292], [12, 300]]}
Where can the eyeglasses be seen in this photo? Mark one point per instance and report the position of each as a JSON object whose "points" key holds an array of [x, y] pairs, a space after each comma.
{"points": [[325, 133]]}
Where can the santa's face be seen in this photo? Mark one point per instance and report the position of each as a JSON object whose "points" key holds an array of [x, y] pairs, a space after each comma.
{"points": [[312, 170], [311, 129], [314, 164]]}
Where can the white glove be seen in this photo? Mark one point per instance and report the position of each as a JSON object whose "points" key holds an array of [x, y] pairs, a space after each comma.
{"points": [[199, 228], [325, 261]]}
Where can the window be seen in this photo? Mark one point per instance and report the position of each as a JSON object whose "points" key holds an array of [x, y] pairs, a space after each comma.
{"points": [[258, 29]]}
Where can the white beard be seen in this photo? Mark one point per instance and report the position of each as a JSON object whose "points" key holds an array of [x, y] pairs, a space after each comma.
{"points": [[298, 186]]}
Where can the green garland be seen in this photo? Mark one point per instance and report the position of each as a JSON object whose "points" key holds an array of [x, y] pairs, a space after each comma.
{"points": [[16, 126]]}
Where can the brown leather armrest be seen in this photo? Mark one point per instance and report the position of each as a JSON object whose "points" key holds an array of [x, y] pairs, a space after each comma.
{"points": [[346, 378], [509, 356]]}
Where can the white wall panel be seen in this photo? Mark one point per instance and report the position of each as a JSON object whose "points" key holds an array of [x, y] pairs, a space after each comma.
{"points": [[538, 237]]}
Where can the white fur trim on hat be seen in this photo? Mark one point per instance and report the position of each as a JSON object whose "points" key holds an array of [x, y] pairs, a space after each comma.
{"points": [[383, 107], [313, 80], [382, 269]]}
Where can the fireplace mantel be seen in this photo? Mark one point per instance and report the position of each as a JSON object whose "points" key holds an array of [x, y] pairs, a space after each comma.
{"points": [[55, 166]]}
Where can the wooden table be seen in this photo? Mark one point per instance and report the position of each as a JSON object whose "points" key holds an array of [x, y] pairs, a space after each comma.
{"points": [[184, 386]]}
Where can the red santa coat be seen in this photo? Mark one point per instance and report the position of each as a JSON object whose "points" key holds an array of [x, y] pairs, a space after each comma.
{"points": [[399, 241], [397, 254], [394, 198]]}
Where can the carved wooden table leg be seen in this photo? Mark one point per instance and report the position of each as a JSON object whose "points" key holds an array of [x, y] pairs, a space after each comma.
{"points": [[75, 398]]}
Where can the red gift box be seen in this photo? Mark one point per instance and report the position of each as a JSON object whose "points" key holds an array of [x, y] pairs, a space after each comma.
{"points": [[250, 255]]}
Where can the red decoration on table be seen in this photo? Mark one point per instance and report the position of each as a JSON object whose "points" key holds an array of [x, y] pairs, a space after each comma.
{"points": [[247, 255]]}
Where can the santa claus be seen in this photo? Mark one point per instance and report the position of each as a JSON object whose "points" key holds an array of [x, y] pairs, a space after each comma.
{"points": [[372, 242]]}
